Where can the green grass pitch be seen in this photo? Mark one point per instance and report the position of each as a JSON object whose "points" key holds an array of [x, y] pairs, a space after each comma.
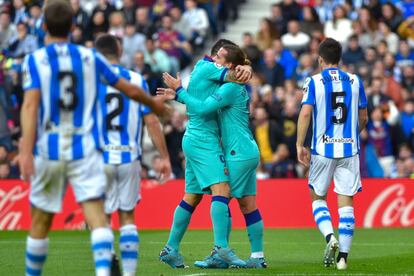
{"points": [[288, 252]]}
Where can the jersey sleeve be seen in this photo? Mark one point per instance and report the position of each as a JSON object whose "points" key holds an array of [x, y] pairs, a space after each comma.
{"points": [[215, 72], [105, 70], [362, 103], [31, 78], [221, 98], [139, 80], [309, 92]]}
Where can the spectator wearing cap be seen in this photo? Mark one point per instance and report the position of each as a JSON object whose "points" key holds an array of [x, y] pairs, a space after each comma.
{"points": [[8, 32]]}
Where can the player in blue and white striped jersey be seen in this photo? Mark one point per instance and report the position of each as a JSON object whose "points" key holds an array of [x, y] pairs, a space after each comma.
{"points": [[337, 103], [120, 121], [59, 127]]}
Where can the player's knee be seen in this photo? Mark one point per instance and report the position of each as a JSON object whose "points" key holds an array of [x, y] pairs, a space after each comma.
{"points": [[193, 199], [247, 205], [41, 223], [315, 196], [221, 189], [126, 217]]}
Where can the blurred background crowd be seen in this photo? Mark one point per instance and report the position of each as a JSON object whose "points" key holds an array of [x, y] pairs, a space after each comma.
{"points": [[169, 36]]}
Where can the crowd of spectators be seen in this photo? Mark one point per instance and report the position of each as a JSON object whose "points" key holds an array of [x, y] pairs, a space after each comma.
{"points": [[158, 36], [165, 36], [377, 39]]}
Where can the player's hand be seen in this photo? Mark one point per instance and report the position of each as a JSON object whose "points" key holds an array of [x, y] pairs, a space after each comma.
{"points": [[303, 155], [172, 82], [168, 93], [165, 170], [244, 73], [26, 166]]}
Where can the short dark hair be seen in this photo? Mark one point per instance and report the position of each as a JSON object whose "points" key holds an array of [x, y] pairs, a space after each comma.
{"points": [[108, 45], [330, 51], [220, 43], [58, 18]]}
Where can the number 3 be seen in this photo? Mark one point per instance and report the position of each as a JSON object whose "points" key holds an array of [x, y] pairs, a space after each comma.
{"points": [[69, 99]]}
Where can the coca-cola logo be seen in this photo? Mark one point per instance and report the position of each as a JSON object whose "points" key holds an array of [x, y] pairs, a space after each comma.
{"points": [[10, 219], [396, 206]]}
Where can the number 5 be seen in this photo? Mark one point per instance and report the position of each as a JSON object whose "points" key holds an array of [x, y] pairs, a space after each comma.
{"points": [[336, 96]]}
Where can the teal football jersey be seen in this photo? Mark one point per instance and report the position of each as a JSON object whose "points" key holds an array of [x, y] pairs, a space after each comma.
{"points": [[205, 79], [230, 102]]}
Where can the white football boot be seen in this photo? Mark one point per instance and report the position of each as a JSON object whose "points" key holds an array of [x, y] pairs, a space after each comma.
{"points": [[330, 250]]}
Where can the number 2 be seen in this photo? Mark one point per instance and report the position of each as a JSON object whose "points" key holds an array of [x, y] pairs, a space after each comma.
{"points": [[336, 103], [111, 115]]}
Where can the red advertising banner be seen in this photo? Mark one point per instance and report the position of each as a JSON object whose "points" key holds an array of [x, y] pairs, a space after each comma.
{"points": [[283, 204]]}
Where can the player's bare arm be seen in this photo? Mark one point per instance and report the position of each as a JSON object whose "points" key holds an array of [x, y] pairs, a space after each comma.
{"points": [[362, 118], [138, 94], [28, 117], [154, 128], [303, 125]]}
